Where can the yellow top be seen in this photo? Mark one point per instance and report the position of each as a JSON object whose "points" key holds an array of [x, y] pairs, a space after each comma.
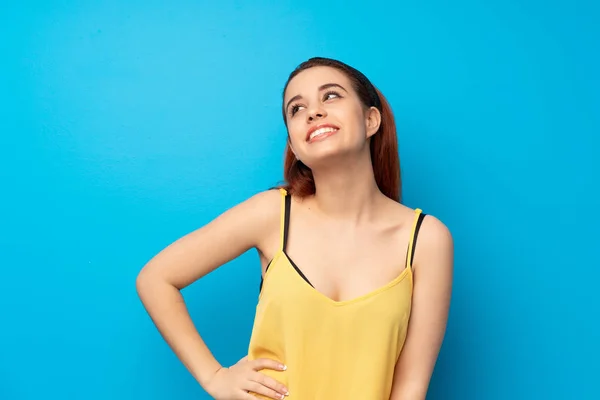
{"points": [[332, 349]]}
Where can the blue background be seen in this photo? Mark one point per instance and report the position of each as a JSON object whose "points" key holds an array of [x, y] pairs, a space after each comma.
{"points": [[126, 125]]}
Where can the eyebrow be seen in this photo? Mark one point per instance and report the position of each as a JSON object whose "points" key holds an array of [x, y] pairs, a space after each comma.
{"points": [[322, 87]]}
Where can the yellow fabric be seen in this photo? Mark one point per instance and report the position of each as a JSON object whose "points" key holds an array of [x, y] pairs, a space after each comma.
{"points": [[333, 349]]}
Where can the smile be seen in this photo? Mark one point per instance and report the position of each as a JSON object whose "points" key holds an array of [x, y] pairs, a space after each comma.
{"points": [[321, 133]]}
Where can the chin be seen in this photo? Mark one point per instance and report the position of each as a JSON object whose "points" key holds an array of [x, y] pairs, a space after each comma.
{"points": [[325, 156]]}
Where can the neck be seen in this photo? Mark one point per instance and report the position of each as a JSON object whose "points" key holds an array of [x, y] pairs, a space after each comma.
{"points": [[347, 190]]}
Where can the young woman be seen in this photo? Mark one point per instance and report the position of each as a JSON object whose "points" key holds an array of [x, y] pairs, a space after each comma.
{"points": [[350, 307]]}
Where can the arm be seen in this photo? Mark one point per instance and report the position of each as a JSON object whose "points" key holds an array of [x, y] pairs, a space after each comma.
{"points": [[250, 224], [433, 267]]}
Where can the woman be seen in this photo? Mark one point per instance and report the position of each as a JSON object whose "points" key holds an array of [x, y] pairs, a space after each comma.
{"points": [[349, 307]]}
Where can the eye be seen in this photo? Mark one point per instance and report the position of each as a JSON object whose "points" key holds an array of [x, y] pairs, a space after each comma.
{"points": [[294, 109], [331, 92]]}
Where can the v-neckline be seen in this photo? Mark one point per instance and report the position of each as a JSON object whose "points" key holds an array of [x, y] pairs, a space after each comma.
{"points": [[405, 272]]}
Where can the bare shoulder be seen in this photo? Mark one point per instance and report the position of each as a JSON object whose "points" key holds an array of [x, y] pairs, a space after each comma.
{"points": [[435, 232], [435, 247], [435, 243], [261, 213], [264, 205]]}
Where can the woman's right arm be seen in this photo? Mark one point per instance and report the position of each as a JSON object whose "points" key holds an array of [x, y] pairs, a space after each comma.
{"points": [[250, 224]]}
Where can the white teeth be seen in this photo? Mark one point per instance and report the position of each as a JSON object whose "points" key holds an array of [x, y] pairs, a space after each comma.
{"points": [[320, 132]]}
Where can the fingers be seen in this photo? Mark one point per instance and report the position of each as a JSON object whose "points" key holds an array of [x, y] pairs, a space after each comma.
{"points": [[263, 384], [266, 363], [265, 391], [269, 383]]}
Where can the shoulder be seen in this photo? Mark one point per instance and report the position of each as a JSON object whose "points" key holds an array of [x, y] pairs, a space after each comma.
{"points": [[435, 233], [262, 208], [435, 244], [266, 202], [251, 219], [266, 208]]}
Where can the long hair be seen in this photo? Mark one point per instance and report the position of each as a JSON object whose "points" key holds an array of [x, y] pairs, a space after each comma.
{"points": [[384, 143]]}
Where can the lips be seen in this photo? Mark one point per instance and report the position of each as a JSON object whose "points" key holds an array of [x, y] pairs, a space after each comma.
{"points": [[321, 130]]}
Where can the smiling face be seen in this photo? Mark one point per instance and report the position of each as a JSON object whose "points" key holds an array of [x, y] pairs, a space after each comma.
{"points": [[325, 116]]}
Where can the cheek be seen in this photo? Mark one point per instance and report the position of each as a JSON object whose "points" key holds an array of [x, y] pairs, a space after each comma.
{"points": [[358, 118], [297, 135], [350, 116], [354, 125]]}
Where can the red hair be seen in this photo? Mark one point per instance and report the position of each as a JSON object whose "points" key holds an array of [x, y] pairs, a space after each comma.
{"points": [[384, 143]]}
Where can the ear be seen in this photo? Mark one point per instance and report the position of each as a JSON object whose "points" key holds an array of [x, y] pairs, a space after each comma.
{"points": [[373, 121]]}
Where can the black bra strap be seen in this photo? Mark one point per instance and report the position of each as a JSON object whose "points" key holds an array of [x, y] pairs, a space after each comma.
{"points": [[414, 246], [286, 219]]}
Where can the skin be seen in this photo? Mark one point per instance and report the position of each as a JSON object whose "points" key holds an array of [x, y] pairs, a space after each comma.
{"points": [[336, 237]]}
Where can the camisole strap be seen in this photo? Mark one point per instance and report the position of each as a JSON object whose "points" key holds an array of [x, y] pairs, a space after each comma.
{"points": [[419, 216], [285, 218]]}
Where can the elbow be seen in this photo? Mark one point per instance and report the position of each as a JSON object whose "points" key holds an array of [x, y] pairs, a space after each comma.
{"points": [[151, 283], [143, 282], [147, 283]]}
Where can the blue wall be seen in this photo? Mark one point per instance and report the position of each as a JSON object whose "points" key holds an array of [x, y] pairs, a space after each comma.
{"points": [[125, 126]]}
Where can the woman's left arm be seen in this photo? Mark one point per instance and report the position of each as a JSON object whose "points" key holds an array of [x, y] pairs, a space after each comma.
{"points": [[433, 270]]}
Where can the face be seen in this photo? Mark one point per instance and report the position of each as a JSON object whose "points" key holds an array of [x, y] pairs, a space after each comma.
{"points": [[325, 116]]}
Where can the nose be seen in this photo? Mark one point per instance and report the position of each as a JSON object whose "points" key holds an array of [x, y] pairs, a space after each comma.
{"points": [[316, 113]]}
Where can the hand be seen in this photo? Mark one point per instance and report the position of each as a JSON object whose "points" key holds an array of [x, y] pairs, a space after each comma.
{"points": [[235, 382]]}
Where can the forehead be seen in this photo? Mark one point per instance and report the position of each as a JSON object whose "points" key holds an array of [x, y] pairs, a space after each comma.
{"points": [[310, 79]]}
